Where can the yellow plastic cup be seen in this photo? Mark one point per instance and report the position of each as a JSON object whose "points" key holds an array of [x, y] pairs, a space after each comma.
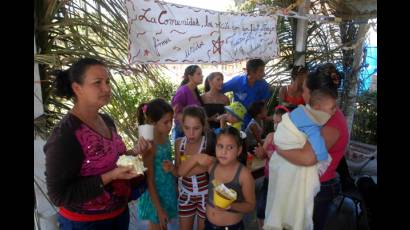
{"points": [[221, 201], [185, 157]]}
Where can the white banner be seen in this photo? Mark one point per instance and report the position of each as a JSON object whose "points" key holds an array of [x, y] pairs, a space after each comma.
{"points": [[160, 32]]}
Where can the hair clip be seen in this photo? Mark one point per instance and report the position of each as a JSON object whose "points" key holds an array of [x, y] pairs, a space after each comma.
{"points": [[282, 107], [242, 134]]}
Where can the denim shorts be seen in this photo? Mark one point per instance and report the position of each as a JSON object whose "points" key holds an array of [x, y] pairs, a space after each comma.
{"points": [[120, 222]]}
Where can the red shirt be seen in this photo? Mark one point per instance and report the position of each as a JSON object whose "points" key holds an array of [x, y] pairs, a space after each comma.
{"points": [[337, 121], [293, 100]]}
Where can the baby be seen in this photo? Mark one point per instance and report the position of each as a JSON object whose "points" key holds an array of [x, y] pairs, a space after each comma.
{"points": [[292, 187]]}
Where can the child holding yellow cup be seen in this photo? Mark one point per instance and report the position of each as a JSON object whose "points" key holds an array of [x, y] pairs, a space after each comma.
{"points": [[231, 191]]}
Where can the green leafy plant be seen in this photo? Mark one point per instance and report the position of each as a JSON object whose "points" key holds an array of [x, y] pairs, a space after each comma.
{"points": [[365, 120]]}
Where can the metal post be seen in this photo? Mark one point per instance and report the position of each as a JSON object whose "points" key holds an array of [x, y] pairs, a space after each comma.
{"points": [[301, 35]]}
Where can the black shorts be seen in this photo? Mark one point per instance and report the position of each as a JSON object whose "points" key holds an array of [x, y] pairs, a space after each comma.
{"points": [[261, 200], [211, 226]]}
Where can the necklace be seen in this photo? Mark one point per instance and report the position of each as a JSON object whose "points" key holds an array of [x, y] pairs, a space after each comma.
{"points": [[97, 124]]}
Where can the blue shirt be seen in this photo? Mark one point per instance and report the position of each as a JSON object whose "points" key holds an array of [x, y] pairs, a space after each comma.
{"points": [[303, 122], [245, 93]]}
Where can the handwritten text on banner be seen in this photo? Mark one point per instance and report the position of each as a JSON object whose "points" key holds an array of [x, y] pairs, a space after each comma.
{"points": [[161, 32]]}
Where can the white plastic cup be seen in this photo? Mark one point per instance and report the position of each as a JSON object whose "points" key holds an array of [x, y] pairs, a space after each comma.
{"points": [[146, 131]]}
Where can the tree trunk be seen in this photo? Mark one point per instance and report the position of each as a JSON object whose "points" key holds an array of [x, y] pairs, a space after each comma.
{"points": [[352, 61]]}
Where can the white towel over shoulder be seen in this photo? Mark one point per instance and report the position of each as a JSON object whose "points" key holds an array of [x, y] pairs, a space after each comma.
{"points": [[291, 188]]}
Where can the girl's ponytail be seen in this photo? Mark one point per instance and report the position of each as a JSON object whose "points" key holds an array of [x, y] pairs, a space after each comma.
{"points": [[141, 111]]}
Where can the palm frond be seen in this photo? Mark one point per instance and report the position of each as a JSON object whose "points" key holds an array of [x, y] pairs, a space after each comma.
{"points": [[68, 30]]}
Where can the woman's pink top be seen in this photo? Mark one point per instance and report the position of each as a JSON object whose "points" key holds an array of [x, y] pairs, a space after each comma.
{"points": [[337, 121]]}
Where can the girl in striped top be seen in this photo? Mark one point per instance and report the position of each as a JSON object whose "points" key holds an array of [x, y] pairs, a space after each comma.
{"points": [[193, 190]]}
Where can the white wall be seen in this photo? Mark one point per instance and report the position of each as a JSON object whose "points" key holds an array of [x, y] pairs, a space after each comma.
{"points": [[46, 211], [38, 101]]}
